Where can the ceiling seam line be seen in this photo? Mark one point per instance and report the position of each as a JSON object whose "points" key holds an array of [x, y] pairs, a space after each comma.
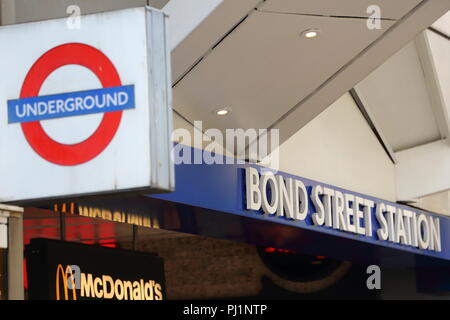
{"points": [[324, 15], [215, 44], [365, 113], [182, 117], [187, 72], [440, 33]]}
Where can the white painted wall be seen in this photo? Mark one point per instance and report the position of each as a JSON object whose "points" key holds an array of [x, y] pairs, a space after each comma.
{"points": [[338, 147], [423, 170], [440, 54], [437, 202]]}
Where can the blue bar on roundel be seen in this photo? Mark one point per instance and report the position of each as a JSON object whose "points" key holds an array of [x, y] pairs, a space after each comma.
{"points": [[71, 104]]}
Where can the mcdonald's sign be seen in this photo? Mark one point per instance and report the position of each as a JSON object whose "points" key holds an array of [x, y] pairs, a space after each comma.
{"points": [[104, 287], [59, 270], [64, 274]]}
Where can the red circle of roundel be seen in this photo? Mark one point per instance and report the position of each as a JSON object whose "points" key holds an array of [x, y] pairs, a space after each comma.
{"points": [[71, 54]]}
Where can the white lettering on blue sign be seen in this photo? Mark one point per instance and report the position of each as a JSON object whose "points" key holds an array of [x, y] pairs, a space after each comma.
{"points": [[287, 197], [71, 104]]}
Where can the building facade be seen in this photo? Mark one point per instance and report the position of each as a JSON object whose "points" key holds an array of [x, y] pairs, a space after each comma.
{"points": [[348, 106]]}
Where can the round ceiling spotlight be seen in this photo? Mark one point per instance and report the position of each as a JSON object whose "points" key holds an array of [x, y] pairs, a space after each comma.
{"points": [[223, 111], [311, 33]]}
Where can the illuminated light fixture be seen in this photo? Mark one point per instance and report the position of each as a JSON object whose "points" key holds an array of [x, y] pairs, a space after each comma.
{"points": [[222, 111], [311, 33]]}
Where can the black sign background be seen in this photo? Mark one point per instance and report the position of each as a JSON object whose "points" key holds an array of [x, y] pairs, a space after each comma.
{"points": [[44, 255]]}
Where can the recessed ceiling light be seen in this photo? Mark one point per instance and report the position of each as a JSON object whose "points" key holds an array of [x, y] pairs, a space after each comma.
{"points": [[311, 33], [222, 111]]}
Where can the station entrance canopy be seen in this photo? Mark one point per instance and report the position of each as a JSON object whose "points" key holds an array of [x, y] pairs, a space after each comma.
{"points": [[250, 203]]}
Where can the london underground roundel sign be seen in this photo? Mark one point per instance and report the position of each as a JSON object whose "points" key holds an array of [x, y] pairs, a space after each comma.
{"points": [[86, 111], [66, 54]]}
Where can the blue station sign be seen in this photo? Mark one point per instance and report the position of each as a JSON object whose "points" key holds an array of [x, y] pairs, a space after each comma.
{"points": [[258, 193]]}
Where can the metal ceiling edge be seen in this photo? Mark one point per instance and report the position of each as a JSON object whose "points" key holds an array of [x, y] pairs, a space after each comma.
{"points": [[364, 107], [433, 86], [442, 34]]}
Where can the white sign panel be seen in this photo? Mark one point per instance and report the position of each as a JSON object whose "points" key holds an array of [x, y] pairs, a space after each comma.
{"points": [[85, 110]]}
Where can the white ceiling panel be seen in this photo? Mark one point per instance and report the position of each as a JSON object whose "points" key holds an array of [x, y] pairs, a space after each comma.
{"points": [[264, 68], [440, 51], [443, 24], [397, 96], [392, 9]]}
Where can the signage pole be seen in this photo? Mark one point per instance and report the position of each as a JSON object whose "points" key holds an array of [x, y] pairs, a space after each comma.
{"points": [[15, 251]]}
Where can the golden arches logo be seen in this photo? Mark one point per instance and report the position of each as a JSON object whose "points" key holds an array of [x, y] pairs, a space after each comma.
{"points": [[64, 274]]}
